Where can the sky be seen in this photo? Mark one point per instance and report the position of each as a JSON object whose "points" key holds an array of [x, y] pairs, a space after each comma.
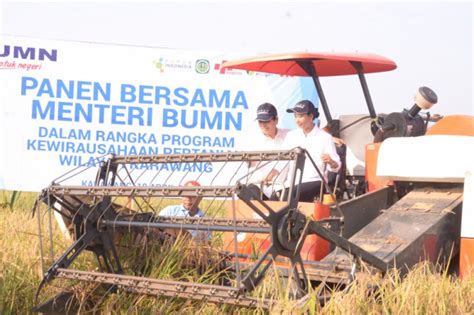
{"points": [[431, 42]]}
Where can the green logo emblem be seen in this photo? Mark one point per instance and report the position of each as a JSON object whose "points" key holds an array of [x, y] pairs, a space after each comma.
{"points": [[202, 66]]}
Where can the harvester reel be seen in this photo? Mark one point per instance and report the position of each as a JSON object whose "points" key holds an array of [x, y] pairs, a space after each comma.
{"points": [[98, 216]]}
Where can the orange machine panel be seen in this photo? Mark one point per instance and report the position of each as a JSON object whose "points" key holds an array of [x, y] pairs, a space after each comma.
{"points": [[453, 125], [466, 259], [253, 243], [371, 155], [319, 248]]}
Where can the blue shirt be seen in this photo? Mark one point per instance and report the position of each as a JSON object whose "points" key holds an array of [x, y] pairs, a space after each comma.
{"points": [[180, 211]]}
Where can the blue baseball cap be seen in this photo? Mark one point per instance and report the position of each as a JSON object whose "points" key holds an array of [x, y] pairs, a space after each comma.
{"points": [[304, 107], [266, 112]]}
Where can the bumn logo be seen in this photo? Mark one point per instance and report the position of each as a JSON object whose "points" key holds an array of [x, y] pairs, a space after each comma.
{"points": [[202, 66], [28, 53]]}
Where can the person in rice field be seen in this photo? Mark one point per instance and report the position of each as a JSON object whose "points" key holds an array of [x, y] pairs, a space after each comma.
{"points": [[189, 207]]}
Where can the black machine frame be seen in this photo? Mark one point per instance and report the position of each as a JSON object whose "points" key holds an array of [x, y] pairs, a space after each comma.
{"points": [[92, 214]]}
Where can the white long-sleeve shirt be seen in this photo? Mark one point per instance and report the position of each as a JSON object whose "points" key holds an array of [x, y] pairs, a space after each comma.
{"points": [[316, 142], [267, 144]]}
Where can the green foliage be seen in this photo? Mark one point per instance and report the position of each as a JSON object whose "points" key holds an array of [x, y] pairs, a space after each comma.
{"points": [[16, 200], [8, 199]]}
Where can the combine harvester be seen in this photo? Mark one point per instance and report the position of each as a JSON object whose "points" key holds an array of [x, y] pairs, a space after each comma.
{"points": [[399, 201]]}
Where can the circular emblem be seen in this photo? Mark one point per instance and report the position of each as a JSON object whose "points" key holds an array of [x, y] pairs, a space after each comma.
{"points": [[202, 66]]}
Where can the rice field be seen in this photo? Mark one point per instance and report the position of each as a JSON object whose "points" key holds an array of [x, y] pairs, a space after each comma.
{"points": [[423, 291]]}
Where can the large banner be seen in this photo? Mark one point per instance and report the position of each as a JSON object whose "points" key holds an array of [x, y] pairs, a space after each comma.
{"points": [[63, 104]]}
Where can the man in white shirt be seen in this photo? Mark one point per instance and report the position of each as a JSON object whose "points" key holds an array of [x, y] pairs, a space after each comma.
{"points": [[317, 143], [264, 176], [188, 208]]}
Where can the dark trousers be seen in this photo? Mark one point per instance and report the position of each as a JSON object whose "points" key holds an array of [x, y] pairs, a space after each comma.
{"points": [[308, 192], [257, 192]]}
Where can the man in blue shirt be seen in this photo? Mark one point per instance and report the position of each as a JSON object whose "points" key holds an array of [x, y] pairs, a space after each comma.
{"points": [[188, 208]]}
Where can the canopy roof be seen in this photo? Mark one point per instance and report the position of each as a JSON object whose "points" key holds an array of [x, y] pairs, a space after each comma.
{"points": [[325, 64]]}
